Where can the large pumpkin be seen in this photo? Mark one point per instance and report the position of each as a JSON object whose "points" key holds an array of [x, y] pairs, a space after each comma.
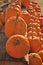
{"points": [[12, 10], [15, 25], [34, 59], [17, 46]]}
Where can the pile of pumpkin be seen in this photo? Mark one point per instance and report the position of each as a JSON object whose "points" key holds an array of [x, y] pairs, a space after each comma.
{"points": [[24, 30]]}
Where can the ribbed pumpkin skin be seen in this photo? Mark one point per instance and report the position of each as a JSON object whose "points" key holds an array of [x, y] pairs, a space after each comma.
{"points": [[17, 46], [13, 27], [11, 11], [34, 59]]}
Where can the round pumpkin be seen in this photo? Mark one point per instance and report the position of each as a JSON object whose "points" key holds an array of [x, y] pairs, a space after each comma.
{"points": [[32, 33], [11, 11], [35, 59], [41, 54], [34, 25], [25, 2], [25, 15], [42, 63], [34, 43], [17, 46], [32, 29], [15, 25]]}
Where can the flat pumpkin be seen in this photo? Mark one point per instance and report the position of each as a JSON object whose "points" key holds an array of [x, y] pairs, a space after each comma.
{"points": [[17, 46], [15, 25], [35, 59]]}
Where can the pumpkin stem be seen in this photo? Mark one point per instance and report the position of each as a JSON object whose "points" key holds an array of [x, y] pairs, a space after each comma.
{"points": [[17, 17], [34, 56], [17, 42]]}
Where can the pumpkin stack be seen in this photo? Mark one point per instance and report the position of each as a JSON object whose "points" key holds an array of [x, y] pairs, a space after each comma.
{"points": [[17, 45], [24, 30]]}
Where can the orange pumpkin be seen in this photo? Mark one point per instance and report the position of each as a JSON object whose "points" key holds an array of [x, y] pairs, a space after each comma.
{"points": [[25, 3], [34, 44], [35, 59], [15, 25], [41, 54], [17, 46], [42, 63], [32, 29], [11, 11], [25, 15], [34, 25], [32, 33]]}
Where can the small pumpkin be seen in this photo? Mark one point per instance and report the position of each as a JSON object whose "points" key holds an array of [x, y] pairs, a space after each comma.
{"points": [[25, 15], [34, 43], [41, 54], [42, 63], [35, 59], [17, 46], [32, 33], [15, 25], [25, 2], [34, 25], [31, 29]]}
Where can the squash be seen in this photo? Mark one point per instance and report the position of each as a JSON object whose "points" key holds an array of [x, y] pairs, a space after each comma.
{"points": [[34, 43], [35, 59], [41, 54], [12, 10], [15, 25], [17, 46]]}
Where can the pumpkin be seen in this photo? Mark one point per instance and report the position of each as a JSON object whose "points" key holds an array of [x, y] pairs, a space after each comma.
{"points": [[32, 33], [34, 25], [35, 59], [25, 2], [42, 63], [15, 25], [41, 54], [37, 21], [25, 15], [34, 43], [11, 11], [32, 29], [17, 46]]}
